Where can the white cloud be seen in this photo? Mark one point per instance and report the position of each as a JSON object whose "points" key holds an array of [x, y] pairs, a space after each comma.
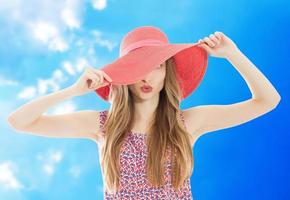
{"points": [[58, 44], [69, 18], [79, 66], [51, 23], [10, 8], [50, 160], [55, 156], [48, 169], [68, 67], [99, 4], [75, 171], [43, 85], [7, 82], [103, 42], [60, 12], [53, 82], [28, 93], [48, 34], [58, 76], [7, 176], [44, 31]]}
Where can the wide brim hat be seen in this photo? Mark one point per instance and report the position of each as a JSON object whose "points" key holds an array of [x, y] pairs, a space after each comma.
{"points": [[145, 48]]}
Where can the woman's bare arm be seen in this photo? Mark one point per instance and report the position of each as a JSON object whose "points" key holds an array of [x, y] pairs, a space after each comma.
{"points": [[207, 118], [31, 111], [79, 124], [30, 118]]}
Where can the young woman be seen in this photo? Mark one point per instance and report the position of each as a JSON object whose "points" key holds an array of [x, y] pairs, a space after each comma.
{"points": [[145, 141]]}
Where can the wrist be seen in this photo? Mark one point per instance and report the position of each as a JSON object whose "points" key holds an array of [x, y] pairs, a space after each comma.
{"points": [[71, 91], [232, 54]]}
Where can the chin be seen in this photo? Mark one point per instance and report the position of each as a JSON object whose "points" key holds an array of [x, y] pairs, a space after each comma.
{"points": [[147, 95]]}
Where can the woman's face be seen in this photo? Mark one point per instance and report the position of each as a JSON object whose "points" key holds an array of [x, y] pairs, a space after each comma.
{"points": [[155, 79]]}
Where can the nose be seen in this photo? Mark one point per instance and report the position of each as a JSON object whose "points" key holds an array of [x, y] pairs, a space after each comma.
{"points": [[144, 81]]}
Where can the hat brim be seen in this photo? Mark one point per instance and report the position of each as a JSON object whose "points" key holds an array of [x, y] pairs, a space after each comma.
{"points": [[132, 67]]}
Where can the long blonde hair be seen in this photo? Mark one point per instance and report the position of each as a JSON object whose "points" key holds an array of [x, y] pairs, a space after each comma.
{"points": [[168, 131]]}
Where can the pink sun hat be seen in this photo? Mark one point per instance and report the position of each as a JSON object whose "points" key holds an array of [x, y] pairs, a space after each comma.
{"points": [[146, 47]]}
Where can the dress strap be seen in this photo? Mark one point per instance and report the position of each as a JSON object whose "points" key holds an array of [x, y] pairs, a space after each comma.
{"points": [[183, 119], [102, 119]]}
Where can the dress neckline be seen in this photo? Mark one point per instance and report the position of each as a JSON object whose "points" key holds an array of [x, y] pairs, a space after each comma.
{"points": [[138, 133]]}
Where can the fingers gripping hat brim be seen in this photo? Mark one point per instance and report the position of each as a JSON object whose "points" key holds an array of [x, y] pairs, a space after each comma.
{"points": [[190, 62]]}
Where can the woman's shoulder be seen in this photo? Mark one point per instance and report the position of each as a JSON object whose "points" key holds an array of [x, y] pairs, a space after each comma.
{"points": [[97, 118]]}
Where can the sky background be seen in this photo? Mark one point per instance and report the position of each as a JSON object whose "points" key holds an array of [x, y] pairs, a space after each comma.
{"points": [[45, 45]]}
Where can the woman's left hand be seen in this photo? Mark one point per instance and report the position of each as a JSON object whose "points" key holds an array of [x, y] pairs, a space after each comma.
{"points": [[218, 45]]}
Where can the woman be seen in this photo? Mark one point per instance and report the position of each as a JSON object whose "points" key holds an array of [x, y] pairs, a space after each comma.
{"points": [[145, 141]]}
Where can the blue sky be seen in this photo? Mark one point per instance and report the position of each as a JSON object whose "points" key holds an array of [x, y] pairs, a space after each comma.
{"points": [[45, 45]]}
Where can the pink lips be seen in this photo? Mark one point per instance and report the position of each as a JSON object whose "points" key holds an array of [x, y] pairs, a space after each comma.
{"points": [[146, 88]]}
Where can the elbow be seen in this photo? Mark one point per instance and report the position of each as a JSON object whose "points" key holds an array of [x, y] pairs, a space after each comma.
{"points": [[274, 103], [276, 100], [10, 120], [13, 122], [269, 104]]}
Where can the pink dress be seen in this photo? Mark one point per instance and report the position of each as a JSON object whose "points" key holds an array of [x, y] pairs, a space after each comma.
{"points": [[133, 181]]}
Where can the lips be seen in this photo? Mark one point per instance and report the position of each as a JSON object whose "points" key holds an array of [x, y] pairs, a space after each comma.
{"points": [[146, 88]]}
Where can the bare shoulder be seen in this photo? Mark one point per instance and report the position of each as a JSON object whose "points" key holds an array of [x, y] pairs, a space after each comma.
{"points": [[194, 121], [91, 124], [92, 121], [95, 120]]}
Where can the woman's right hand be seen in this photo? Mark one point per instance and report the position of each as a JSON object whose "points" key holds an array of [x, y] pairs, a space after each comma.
{"points": [[90, 80]]}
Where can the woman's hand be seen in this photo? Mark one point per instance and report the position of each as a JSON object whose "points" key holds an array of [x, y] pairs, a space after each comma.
{"points": [[218, 45], [90, 80]]}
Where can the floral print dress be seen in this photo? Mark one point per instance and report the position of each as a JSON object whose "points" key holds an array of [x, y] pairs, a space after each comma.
{"points": [[133, 181]]}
